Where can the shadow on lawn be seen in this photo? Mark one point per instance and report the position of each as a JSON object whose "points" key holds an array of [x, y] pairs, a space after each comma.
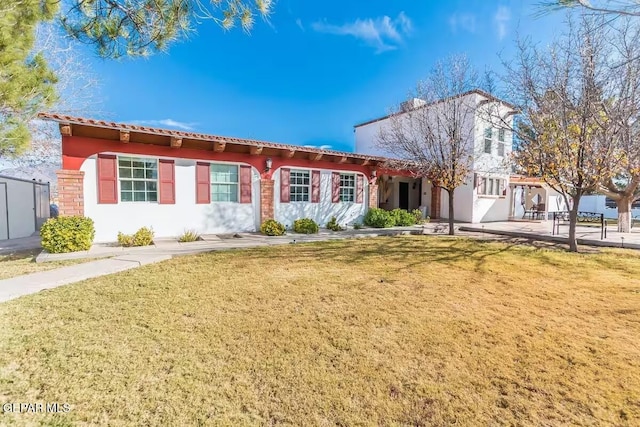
{"points": [[20, 255], [412, 252]]}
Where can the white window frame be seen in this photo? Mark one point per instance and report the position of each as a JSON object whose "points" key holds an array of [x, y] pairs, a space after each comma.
{"points": [[228, 183], [300, 196], [501, 142], [347, 192], [133, 180], [491, 187], [488, 139]]}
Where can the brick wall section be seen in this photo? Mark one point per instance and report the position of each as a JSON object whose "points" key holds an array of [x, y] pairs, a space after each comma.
{"points": [[373, 196], [266, 199], [435, 202], [70, 192]]}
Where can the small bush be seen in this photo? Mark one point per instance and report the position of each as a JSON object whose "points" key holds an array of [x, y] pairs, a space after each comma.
{"points": [[379, 218], [189, 236], [402, 218], [142, 237], [357, 226], [305, 226], [67, 234], [333, 224], [427, 219], [417, 213], [271, 227]]}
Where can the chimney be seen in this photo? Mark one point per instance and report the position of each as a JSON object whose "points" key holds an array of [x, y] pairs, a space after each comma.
{"points": [[412, 104]]}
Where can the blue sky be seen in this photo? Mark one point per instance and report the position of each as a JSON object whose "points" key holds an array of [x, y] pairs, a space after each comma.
{"points": [[314, 70]]}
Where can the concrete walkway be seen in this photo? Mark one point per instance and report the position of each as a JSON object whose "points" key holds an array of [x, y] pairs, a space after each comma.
{"points": [[542, 230], [18, 245]]}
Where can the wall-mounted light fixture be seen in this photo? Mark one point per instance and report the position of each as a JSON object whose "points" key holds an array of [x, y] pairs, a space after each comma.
{"points": [[268, 164], [374, 173]]}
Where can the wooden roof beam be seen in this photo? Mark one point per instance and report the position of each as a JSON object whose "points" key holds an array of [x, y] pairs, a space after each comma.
{"points": [[65, 129], [343, 159], [288, 154], [124, 136], [315, 157], [219, 146], [176, 142], [256, 150]]}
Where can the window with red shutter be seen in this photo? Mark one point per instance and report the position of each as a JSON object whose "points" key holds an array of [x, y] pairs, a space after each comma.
{"points": [[166, 172], [315, 186], [245, 184], [203, 183], [284, 185], [335, 187], [107, 179], [359, 189]]}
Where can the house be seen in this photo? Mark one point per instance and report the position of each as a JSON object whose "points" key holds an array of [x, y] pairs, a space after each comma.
{"points": [[126, 177], [484, 196], [24, 206]]}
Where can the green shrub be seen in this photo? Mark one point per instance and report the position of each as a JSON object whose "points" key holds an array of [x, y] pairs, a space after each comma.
{"points": [[67, 234], [333, 224], [357, 226], [427, 219], [305, 226], [417, 213], [271, 227], [142, 237], [379, 218], [189, 236], [402, 218]]}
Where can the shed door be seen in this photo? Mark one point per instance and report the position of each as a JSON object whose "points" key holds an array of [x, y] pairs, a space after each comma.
{"points": [[4, 215]]}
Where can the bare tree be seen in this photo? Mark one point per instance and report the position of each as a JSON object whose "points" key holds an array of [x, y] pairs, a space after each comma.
{"points": [[435, 135], [566, 133], [77, 87], [609, 7]]}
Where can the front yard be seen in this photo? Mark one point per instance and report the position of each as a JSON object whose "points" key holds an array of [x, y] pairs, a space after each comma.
{"points": [[23, 262], [407, 330]]}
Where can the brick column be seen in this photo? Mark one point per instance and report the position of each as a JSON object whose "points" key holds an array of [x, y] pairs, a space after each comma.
{"points": [[435, 202], [373, 196], [266, 199], [70, 192]]}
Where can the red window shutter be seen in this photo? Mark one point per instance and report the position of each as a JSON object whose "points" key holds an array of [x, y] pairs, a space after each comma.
{"points": [[359, 188], [315, 186], [167, 178], [245, 184], [335, 187], [107, 179], [284, 185], [203, 183]]}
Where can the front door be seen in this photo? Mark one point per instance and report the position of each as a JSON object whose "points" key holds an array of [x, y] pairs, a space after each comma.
{"points": [[404, 196]]}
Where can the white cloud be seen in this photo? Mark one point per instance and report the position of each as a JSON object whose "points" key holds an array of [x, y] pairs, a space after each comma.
{"points": [[462, 21], [322, 147], [166, 123], [382, 33], [299, 24], [501, 20]]}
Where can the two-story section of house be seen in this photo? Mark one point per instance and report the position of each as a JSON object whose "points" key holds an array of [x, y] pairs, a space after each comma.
{"points": [[485, 194]]}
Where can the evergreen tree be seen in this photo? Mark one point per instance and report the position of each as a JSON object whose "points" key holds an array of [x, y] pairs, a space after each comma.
{"points": [[26, 82]]}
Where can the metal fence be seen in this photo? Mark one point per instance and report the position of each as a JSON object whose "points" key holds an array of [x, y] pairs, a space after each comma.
{"points": [[562, 217]]}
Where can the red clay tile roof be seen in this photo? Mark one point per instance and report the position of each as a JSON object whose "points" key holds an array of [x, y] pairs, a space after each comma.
{"points": [[65, 119]]}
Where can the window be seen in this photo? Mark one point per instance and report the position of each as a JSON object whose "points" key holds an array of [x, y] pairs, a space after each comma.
{"points": [[488, 135], [299, 186], [347, 187], [224, 183], [138, 179], [501, 136], [491, 187]]}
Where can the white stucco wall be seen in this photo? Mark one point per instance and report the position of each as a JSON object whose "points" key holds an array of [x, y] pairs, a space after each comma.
{"points": [[596, 203], [345, 213], [20, 206], [169, 220]]}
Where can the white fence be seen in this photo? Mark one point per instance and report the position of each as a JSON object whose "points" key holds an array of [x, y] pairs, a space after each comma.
{"points": [[598, 204]]}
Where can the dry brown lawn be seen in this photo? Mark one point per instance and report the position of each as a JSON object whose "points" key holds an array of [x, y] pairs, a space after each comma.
{"points": [[392, 331], [23, 262]]}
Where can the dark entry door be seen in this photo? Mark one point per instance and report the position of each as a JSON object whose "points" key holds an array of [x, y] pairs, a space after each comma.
{"points": [[404, 195]]}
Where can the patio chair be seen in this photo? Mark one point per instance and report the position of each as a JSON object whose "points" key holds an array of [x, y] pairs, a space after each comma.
{"points": [[541, 211]]}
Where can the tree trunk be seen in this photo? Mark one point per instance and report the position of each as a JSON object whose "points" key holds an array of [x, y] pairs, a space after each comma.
{"points": [[624, 214], [573, 221], [451, 230]]}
